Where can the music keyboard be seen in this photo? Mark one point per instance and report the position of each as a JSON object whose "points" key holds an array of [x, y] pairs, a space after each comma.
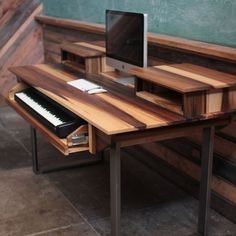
{"points": [[50, 113]]}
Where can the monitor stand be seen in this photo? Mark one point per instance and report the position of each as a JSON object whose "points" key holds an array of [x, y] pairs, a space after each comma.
{"points": [[126, 80], [122, 77]]}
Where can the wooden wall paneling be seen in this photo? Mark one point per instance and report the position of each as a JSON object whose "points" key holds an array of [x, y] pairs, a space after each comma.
{"points": [[27, 51], [21, 38], [225, 189], [158, 40], [7, 10], [174, 174], [54, 37], [170, 156], [223, 146], [18, 18], [192, 151]]}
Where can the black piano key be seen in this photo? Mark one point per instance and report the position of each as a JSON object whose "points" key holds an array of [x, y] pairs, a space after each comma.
{"points": [[70, 120]]}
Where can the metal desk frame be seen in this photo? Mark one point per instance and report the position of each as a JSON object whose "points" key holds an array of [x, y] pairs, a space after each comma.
{"points": [[205, 184]]}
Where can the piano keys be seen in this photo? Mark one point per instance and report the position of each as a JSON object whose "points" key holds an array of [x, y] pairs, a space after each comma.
{"points": [[51, 114]]}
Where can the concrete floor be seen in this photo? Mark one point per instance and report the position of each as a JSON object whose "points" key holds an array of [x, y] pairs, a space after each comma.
{"points": [[76, 202]]}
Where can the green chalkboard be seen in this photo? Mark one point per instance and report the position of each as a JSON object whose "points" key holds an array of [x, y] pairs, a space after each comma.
{"points": [[211, 21]]}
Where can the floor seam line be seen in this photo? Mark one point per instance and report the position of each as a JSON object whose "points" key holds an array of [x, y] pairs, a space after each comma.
{"points": [[15, 139], [76, 210], [52, 229]]}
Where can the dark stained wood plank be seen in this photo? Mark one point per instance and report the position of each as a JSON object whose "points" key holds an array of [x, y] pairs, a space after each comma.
{"points": [[224, 188], [210, 50], [7, 10], [175, 175], [183, 51], [72, 24], [42, 79], [170, 80], [81, 51], [64, 35], [224, 145], [120, 93], [212, 77], [21, 41], [192, 151], [18, 19], [124, 115], [26, 49], [52, 57]]}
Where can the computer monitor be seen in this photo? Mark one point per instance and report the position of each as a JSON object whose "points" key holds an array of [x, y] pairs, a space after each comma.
{"points": [[126, 39]]}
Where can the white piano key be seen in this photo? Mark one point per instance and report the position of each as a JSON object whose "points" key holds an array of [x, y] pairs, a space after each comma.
{"points": [[39, 109]]}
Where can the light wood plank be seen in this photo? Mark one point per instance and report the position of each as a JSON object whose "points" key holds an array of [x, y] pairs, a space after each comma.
{"points": [[112, 115], [169, 80], [211, 50], [162, 100], [211, 77], [225, 189], [194, 76]]}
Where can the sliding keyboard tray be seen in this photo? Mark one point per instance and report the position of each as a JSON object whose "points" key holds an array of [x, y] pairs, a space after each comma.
{"points": [[76, 141]]}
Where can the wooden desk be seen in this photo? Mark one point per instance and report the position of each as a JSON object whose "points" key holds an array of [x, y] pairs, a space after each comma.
{"points": [[118, 120]]}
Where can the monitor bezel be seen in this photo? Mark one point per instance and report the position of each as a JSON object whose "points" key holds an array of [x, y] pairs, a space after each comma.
{"points": [[123, 65]]}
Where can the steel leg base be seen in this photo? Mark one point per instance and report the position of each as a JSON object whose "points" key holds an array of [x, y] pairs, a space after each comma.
{"points": [[35, 165], [206, 176], [115, 189]]}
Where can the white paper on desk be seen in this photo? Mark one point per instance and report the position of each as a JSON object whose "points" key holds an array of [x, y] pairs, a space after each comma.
{"points": [[84, 85]]}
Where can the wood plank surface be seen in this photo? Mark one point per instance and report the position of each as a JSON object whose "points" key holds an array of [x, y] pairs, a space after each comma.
{"points": [[192, 151], [176, 176], [169, 80], [169, 48], [166, 101], [114, 114], [225, 189], [100, 47], [72, 24], [82, 51], [202, 48], [21, 38], [214, 78]]}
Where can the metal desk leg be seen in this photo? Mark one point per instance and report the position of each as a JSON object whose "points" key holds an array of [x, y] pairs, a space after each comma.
{"points": [[34, 150], [115, 189], [206, 176]]}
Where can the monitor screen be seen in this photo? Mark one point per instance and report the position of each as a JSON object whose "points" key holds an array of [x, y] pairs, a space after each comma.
{"points": [[126, 37]]}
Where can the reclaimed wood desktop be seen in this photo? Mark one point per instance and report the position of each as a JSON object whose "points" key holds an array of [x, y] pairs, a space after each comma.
{"points": [[119, 120]]}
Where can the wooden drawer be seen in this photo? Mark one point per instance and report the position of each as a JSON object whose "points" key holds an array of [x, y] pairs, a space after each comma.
{"points": [[81, 139]]}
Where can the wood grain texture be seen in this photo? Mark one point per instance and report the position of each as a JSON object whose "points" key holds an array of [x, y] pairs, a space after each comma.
{"points": [[81, 51], [113, 115], [165, 101], [222, 167], [207, 49], [63, 145], [176, 176], [186, 52], [204, 90], [169, 80], [60, 144], [21, 38], [215, 79], [225, 189], [72, 24]]}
